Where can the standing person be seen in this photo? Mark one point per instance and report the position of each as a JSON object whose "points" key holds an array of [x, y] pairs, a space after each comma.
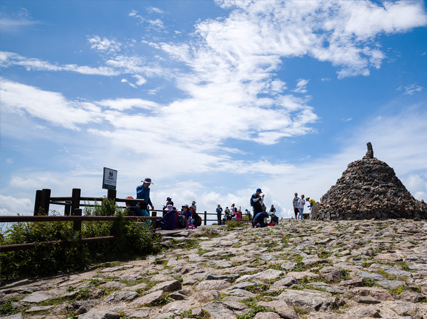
{"points": [[194, 205], [248, 214], [301, 208], [218, 213], [272, 209], [314, 208], [143, 192], [256, 202], [295, 203]]}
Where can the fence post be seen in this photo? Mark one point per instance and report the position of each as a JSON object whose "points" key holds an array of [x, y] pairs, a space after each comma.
{"points": [[111, 194], [37, 202], [75, 199], [78, 223], [67, 208], [45, 201], [206, 217], [153, 213]]}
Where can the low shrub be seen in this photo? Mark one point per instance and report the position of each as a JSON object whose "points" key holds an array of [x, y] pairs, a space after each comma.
{"points": [[132, 239]]}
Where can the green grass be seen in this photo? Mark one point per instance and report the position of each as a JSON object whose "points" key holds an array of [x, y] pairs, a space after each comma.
{"points": [[368, 282], [255, 309]]}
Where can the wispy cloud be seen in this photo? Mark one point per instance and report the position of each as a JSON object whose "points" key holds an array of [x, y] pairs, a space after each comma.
{"points": [[411, 89], [16, 22], [104, 45], [155, 10], [301, 86]]}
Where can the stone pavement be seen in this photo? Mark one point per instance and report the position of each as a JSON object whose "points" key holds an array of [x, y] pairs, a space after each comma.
{"points": [[312, 270]]}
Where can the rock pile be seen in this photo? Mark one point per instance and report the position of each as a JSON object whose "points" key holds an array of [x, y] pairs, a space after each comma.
{"points": [[368, 189]]}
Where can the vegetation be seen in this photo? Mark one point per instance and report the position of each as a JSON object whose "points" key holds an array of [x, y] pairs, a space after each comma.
{"points": [[132, 240]]}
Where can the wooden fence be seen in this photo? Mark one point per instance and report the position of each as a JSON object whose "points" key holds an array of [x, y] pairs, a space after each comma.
{"points": [[73, 212]]}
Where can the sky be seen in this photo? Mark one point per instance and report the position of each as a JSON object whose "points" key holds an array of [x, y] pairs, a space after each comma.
{"points": [[210, 99]]}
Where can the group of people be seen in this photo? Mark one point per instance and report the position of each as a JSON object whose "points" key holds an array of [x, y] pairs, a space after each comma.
{"points": [[187, 217], [232, 213], [261, 217], [299, 204]]}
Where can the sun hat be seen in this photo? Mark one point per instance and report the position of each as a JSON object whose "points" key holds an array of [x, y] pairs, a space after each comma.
{"points": [[147, 180]]}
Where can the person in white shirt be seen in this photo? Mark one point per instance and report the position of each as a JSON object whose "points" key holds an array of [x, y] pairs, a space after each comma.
{"points": [[295, 203], [301, 208]]}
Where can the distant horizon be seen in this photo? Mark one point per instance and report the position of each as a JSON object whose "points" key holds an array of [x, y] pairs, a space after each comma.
{"points": [[211, 100]]}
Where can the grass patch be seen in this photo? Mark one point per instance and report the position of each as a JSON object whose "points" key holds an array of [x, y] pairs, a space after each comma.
{"points": [[231, 224], [255, 309], [189, 314], [368, 282], [300, 311], [7, 309]]}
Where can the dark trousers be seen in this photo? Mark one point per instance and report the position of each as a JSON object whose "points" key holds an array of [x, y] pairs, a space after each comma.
{"points": [[296, 210], [218, 215]]}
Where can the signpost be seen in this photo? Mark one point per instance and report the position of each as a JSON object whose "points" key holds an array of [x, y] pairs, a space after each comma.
{"points": [[109, 180]]}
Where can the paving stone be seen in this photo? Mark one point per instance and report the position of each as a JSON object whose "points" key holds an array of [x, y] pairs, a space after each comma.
{"points": [[40, 296], [391, 284], [39, 309], [119, 296], [311, 301], [226, 309], [167, 286], [281, 308], [399, 273], [149, 299], [213, 285], [367, 275], [240, 293], [99, 314]]}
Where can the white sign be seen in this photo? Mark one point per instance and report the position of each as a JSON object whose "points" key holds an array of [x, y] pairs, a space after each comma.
{"points": [[109, 180]]}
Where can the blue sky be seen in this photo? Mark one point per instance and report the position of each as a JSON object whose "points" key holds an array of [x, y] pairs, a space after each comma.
{"points": [[210, 99]]}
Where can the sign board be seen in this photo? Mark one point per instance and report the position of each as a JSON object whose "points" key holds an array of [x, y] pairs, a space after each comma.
{"points": [[109, 180]]}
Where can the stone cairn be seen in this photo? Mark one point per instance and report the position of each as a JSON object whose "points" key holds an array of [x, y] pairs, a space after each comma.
{"points": [[368, 189]]}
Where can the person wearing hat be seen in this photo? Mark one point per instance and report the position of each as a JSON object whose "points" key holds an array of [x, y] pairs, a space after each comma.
{"points": [[274, 219], [256, 202], [143, 192], [194, 205], [186, 212]]}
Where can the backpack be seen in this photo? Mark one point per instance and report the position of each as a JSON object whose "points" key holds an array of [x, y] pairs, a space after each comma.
{"points": [[182, 221], [197, 220]]}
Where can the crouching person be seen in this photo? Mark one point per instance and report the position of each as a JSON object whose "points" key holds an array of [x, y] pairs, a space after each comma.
{"points": [[274, 220], [259, 220], [169, 220]]}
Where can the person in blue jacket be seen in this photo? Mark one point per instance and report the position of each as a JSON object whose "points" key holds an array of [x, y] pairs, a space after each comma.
{"points": [[259, 220], [143, 192]]}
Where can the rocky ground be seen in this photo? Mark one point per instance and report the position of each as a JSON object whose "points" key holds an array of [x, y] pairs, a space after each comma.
{"points": [[313, 270]]}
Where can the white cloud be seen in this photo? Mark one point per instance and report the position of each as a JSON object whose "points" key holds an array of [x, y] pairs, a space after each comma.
{"points": [[8, 59], [325, 79], [154, 9], [140, 79], [126, 104], [412, 89], [104, 45], [126, 81], [347, 119], [50, 106], [301, 86], [11, 206]]}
